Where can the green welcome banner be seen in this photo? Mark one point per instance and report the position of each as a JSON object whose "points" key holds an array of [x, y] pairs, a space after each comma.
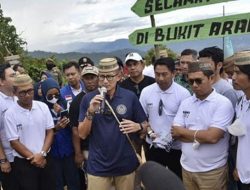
{"points": [[152, 7], [195, 30]]}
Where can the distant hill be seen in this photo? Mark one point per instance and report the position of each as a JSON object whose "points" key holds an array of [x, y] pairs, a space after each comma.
{"points": [[121, 47]]}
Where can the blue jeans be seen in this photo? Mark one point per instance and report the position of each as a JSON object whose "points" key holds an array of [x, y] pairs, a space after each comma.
{"points": [[66, 173]]}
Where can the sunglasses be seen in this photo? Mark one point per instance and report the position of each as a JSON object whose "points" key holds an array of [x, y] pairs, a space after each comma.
{"points": [[197, 81], [25, 92], [160, 107], [51, 96]]}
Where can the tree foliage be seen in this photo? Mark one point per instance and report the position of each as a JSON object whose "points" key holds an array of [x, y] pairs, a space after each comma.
{"points": [[151, 53], [10, 41]]}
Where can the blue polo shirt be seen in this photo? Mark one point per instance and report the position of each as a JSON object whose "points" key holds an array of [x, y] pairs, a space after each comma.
{"points": [[67, 94], [110, 153]]}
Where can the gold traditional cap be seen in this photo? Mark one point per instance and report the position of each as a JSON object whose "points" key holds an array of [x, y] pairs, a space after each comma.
{"points": [[228, 62], [22, 80], [107, 65], [199, 66], [242, 58]]}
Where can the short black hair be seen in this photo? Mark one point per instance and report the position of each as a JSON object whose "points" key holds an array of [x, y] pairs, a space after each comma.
{"points": [[71, 64], [119, 62], [167, 61], [192, 52], [15, 67], [214, 52], [244, 69], [3, 67]]}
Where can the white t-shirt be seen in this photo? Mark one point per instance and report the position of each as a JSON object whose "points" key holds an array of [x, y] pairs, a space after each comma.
{"points": [[243, 151], [29, 126], [194, 114], [171, 98], [5, 103]]}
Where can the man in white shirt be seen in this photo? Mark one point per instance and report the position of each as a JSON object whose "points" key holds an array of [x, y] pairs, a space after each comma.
{"points": [[29, 128], [241, 81], [7, 99], [160, 102], [201, 124]]}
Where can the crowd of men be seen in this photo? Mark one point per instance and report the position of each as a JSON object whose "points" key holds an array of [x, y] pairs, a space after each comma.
{"points": [[191, 116]]}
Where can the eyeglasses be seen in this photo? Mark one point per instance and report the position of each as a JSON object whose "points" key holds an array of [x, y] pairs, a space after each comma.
{"points": [[134, 63], [51, 96], [108, 77], [160, 108], [197, 81], [25, 92]]}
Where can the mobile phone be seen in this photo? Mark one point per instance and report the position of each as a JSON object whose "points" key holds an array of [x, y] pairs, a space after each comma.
{"points": [[64, 113]]}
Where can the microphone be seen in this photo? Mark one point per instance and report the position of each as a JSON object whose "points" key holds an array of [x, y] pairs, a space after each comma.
{"points": [[103, 91], [156, 177]]}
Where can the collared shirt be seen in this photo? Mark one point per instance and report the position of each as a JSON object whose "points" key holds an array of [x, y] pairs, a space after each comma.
{"points": [[181, 80], [243, 151], [5, 103], [29, 126], [195, 114], [226, 89], [68, 93], [110, 153], [171, 98]]}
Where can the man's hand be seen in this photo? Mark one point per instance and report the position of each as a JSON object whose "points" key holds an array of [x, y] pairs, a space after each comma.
{"points": [[177, 131], [128, 126], [38, 160], [95, 103], [79, 158], [5, 167]]}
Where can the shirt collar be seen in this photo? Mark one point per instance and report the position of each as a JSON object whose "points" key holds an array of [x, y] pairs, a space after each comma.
{"points": [[170, 90], [210, 97], [34, 106], [4, 96]]}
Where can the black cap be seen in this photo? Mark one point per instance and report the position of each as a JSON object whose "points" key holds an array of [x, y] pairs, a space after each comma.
{"points": [[85, 61]]}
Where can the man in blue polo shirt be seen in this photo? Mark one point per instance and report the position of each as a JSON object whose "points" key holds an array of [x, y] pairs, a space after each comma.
{"points": [[112, 160], [71, 71]]}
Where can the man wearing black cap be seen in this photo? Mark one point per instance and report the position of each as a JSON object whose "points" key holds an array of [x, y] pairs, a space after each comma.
{"points": [[201, 125], [84, 62]]}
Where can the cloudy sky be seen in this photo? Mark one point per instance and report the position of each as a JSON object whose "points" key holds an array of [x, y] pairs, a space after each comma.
{"points": [[45, 24]]}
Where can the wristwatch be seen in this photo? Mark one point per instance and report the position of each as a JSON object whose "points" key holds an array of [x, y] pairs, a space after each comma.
{"points": [[43, 153], [89, 115]]}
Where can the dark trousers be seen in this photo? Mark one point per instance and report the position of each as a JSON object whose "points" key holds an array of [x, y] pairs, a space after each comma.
{"points": [[66, 173], [170, 159], [9, 181], [244, 186], [31, 177]]}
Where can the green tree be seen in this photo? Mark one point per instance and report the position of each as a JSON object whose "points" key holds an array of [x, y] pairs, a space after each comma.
{"points": [[151, 53], [10, 41]]}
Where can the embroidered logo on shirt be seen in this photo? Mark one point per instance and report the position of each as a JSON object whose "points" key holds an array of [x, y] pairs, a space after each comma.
{"points": [[19, 127], [121, 109], [186, 114]]}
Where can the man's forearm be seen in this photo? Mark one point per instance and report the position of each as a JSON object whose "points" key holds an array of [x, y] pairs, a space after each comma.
{"points": [[48, 140], [21, 149], [76, 140], [2, 153]]}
